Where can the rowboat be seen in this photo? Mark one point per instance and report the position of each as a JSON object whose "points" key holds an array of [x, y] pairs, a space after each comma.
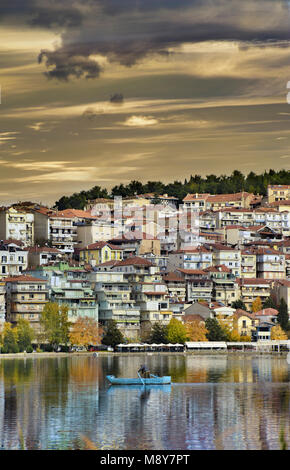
{"points": [[152, 380]]}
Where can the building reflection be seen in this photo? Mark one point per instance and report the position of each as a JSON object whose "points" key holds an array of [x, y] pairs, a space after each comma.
{"points": [[215, 402]]}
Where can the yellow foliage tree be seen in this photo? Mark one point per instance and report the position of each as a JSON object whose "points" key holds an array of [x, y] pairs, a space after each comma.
{"points": [[196, 331], [278, 333], [85, 331], [257, 305]]}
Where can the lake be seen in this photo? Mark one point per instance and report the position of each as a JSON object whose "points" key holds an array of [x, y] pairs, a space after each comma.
{"points": [[226, 401]]}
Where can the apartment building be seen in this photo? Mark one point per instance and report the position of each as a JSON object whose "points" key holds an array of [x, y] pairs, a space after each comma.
{"points": [[58, 230], [78, 297], [2, 304], [26, 297], [282, 291], [190, 258], [227, 256], [225, 287], [238, 200], [278, 192], [39, 255], [251, 289], [270, 264], [17, 225], [176, 286], [137, 269], [69, 286], [248, 264], [13, 259], [153, 300], [115, 302]]}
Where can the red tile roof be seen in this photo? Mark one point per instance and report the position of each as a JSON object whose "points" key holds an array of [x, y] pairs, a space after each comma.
{"points": [[24, 278]]}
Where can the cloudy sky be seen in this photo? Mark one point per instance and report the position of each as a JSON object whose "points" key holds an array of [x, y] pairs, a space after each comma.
{"points": [[106, 91]]}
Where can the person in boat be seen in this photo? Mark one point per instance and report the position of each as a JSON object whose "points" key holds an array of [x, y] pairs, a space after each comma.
{"points": [[144, 371]]}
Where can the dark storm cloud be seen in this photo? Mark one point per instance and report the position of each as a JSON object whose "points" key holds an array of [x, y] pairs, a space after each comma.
{"points": [[42, 13], [127, 31], [67, 63], [117, 98]]}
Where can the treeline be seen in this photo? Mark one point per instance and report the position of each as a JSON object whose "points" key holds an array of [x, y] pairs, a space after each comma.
{"points": [[223, 184]]}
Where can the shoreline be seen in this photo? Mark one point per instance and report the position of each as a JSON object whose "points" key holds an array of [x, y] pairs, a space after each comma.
{"points": [[34, 355]]}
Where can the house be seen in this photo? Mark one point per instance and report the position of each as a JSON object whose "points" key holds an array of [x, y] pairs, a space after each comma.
{"points": [[198, 308], [245, 323], [100, 252], [267, 315], [278, 192]]}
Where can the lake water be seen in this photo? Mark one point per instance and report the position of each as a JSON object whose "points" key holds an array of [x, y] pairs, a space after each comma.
{"points": [[215, 402]]}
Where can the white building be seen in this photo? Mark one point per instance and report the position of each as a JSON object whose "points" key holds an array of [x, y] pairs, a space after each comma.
{"points": [[17, 226]]}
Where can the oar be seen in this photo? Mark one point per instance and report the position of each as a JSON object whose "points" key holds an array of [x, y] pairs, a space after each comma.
{"points": [[141, 378]]}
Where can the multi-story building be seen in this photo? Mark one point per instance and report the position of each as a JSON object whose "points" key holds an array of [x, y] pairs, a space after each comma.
{"points": [[2, 304], [26, 297], [17, 225], [39, 255], [190, 258], [153, 300], [278, 192], [69, 286], [116, 303], [251, 289], [58, 230], [225, 287], [248, 264], [282, 291], [137, 269], [270, 264], [227, 256], [78, 297], [13, 259], [176, 286]]}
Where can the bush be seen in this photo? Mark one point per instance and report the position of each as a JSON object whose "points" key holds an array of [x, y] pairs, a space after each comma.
{"points": [[29, 349]]}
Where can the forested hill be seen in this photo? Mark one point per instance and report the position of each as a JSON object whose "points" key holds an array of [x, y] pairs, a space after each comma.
{"points": [[212, 184]]}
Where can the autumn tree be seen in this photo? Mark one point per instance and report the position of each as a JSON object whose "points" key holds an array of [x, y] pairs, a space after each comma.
{"points": [[86, 331], [176, 332], [196, 331], [278, 333], [25, 335], [9, 339], [257, 305], [54, 321]]}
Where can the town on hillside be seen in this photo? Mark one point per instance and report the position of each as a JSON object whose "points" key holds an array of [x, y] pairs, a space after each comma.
{"points": [[216, 264]]}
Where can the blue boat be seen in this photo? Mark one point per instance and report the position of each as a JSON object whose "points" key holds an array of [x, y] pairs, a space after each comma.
{"points": [[152, 380]]}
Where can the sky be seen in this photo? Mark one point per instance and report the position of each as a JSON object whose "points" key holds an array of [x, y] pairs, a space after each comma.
{"points": [[102, 92]]}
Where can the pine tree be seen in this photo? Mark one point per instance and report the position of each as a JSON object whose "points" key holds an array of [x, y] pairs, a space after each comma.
{"points": [[283, 317]]}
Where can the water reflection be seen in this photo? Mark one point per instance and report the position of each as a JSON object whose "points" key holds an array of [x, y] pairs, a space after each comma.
{"points": [[214, 402]]}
